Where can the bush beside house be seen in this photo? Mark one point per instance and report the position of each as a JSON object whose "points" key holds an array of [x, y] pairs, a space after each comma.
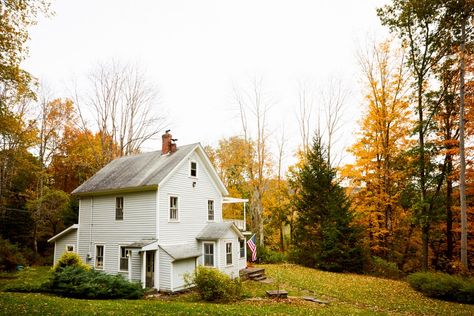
{"points": [[214, 285]]}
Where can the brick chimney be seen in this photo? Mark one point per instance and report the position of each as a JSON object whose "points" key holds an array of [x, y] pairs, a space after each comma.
{"points": [[168, 143]]}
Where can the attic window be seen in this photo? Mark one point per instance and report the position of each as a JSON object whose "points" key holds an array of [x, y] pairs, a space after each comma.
{"points": [[119, 208], [193, 169]]}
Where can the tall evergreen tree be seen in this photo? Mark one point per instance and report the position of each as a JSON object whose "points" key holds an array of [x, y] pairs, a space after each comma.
{"points": [[324, 237]]}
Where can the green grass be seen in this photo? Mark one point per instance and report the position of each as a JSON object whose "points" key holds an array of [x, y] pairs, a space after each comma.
{"points": [[348, 294]]}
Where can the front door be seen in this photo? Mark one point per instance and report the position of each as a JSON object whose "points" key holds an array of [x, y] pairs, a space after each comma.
{"points": [[150, 269]]}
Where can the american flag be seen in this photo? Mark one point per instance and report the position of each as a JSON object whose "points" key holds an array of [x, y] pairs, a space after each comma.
{"points": [[252, 243]]}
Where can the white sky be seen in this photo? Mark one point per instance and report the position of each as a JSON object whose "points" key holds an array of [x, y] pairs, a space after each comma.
{"points": [[194, 51]]}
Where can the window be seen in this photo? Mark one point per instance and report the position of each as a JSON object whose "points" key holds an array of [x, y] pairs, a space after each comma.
{"points": [[228, 253], [173, 208], [210, 210], [99, 257], [69, 248], [209, 254], [193, 169], [124, 255], [119, 208], [242, 248]]}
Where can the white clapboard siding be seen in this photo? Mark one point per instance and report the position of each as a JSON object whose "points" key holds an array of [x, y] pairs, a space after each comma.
{"points": [[84, 244], [181, 268], [61, 243], [233, 269], [139, 222], [164, 269], [192, 203]]}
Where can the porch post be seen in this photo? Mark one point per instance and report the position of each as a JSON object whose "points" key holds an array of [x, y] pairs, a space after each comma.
{"points": [[129, 254], [144, 269], [245, 217], [156, 273]]}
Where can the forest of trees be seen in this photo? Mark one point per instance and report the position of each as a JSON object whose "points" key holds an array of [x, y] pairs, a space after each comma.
{"points": [[407, 199]]}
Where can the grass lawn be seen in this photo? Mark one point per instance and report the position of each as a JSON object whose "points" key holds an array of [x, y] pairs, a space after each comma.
{"points": [[348, 294]]}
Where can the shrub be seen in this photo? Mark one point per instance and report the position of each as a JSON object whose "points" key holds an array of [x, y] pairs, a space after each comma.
{"points": [[385, 269], [70, 259], [443, 286], [213, 285], [266, 255], [77, 282], [10, 256]]}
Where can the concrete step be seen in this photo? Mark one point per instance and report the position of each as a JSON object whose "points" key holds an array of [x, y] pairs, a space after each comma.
{"points": [[260, 278]]}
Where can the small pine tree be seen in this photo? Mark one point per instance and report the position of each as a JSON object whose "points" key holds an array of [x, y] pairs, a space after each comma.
{"points": [[324, 237]]}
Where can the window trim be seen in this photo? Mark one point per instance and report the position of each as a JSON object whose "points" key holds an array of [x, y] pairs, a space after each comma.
{"points": [[213, 210], [229, 253], [171, 220], [73, 247], [191, 168], [118, 198], [120, 257], [213, 253], [103, 257], [242, 248]]}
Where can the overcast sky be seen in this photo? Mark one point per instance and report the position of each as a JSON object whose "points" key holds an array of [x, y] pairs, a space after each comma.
{"points": [[195, 51]]}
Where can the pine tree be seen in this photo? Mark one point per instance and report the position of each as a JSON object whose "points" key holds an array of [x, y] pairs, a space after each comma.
{"points": [[324, 237]]}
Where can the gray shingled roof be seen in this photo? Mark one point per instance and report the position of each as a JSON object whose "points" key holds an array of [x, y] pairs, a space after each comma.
{"points": [[142, 243], [214, 231], [182, 251], [142, 170]]}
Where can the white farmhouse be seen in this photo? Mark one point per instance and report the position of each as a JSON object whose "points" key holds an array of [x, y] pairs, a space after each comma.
{"points": [[154, 217]]}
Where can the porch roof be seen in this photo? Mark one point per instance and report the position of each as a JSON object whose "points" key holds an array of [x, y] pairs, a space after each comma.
{"points": [[181, 251], [141, 243], [228, 200], [214, 231]]}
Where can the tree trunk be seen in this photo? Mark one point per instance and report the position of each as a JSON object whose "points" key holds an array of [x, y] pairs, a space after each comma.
{"points": [[462, 158]]}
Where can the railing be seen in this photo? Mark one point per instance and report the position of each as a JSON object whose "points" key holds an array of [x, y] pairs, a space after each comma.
{"points": [[238, 222]]}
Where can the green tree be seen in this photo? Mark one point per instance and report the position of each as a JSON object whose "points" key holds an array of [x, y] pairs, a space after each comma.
{"points": [[324, 236], [426, 29]]}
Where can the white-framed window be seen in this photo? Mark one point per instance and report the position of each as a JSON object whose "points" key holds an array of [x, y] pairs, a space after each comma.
{"points": [[119, 208], [193, 169], [242, 248], [173, 210], [124, 255], [228, 253], [99, 257], [210, 210], [208, 254], [69, 248]]}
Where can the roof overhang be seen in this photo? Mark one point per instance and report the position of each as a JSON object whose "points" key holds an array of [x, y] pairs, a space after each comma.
{"points": [[144, 244], [117, 191], [229, 200], [64, 232], [181, 251]]}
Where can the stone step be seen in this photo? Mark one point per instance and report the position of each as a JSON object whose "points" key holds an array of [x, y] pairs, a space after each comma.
{"points": [[260, 278]]}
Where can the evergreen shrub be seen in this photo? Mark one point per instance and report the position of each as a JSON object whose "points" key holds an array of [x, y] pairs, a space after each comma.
{"points": [[443, 286]]}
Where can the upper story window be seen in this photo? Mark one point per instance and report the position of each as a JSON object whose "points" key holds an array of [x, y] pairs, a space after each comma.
{"points": [[193, 169], [69, 248], [173, 208], [228, 253], [124, 255], [99, 257], [208, 254], [210, 210], [119, 208]]}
